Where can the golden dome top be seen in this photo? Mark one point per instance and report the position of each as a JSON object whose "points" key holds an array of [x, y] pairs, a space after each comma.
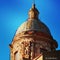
{"points": [[33, 12], [33, 22]]}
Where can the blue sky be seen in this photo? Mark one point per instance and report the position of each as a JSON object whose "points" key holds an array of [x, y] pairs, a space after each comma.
{"points": [[14, 12]]}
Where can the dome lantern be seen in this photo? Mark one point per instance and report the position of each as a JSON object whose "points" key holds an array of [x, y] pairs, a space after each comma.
{"points": [[33, 12]]}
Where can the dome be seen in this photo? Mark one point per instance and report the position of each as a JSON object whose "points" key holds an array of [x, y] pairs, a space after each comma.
{"points": [[35, 25]]}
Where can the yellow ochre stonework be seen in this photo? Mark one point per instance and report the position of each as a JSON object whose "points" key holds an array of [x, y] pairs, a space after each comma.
{"points": [[32, 39]]}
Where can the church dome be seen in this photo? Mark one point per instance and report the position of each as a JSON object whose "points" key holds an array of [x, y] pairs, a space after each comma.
{"points": [[33, 23]]}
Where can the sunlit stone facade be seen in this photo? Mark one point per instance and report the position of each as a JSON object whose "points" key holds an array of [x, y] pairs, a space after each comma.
{"points": [[32, 39]]}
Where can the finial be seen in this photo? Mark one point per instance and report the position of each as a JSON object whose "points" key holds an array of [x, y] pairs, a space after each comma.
{"points": [[33, 4], [33, 13]]}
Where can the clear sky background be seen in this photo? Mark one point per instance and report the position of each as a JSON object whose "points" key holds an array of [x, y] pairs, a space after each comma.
{"points": [[14, 12]]}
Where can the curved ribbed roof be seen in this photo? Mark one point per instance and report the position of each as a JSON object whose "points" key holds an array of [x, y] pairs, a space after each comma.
{"points": [[33, 25], [33, 22]]}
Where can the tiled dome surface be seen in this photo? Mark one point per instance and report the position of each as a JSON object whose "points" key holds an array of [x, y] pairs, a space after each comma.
{"points": [[34, 25]]}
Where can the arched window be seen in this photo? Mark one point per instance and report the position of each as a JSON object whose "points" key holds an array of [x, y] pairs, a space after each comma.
{"points": [[16, 55]]}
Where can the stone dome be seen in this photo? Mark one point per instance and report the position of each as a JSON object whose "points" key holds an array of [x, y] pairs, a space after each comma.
{"points": [[33, 27], [33, 23]]}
